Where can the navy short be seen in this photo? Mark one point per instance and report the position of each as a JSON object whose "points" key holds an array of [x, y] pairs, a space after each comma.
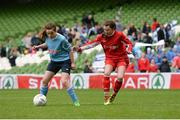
{"points": [[65, 66]]}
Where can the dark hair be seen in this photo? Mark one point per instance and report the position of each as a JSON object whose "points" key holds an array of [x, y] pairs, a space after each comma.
{"points": [[155, 19], [110, 23], [42, 33], [164, 57], [50, 26]]}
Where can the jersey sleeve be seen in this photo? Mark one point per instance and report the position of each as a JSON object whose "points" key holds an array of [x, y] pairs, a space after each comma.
{"points": [[92, 44], [66, 45], [128, 43]]}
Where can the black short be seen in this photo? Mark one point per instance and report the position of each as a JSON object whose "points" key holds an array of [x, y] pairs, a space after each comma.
{"points": [[65, 66]]}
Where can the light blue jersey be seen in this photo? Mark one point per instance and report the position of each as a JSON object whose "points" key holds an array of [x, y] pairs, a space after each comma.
{"points": [[59, 48]]}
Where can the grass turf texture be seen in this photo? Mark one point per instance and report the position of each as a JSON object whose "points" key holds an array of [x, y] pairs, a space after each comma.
{"points": [[128, 104]]}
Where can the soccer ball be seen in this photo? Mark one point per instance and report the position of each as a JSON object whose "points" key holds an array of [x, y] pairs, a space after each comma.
{"points": [[39, 100]]}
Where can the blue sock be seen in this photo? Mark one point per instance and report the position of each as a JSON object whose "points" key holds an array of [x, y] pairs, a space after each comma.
{"points": [[44, 90], [72, 94]]}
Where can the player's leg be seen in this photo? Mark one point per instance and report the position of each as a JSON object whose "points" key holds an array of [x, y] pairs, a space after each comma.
{"points": [[46, 78], [118, 82], [65, 79], [52, 69], [106, 81]]}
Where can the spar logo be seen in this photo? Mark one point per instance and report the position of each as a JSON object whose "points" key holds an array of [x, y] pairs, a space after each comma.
{"points": [[158, 81], [8, 82], [78, 82]]}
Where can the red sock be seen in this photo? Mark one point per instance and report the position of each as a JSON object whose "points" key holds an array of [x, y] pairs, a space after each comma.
{"points": [[106, 85], [117, 85]]}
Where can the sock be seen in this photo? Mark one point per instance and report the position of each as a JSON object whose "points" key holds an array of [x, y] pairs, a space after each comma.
{"points": [[106, 85], [72, 94], [44, 90], [118, 85]]}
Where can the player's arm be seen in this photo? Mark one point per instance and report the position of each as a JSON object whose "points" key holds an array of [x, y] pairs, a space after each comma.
{"points": [[72, 59], [40, 46], [128, 43], [67, 47], [89, 45]]}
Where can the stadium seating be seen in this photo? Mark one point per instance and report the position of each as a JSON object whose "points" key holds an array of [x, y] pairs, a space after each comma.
{"points": [[138, 11], [20, 19]]}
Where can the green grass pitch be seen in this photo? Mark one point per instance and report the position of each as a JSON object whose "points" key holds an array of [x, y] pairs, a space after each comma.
{"points": [[129, 104]]}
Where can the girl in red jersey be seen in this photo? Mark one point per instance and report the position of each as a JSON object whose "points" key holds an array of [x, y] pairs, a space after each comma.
{"points": [[143, 63], [153, 67], [116, 46], [131, 67]]}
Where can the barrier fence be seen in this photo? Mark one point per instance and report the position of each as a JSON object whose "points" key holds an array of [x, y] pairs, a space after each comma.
{"points": [[91, 81]]}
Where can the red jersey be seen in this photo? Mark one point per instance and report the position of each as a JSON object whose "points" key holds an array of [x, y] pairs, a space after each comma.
{"points": [[143, 64], [153, 68], [176, 62], [115, 46], [154, 26], [130, 68]]}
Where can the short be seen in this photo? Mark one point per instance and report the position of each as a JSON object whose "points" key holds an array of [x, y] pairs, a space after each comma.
{"points": [[65, 66], [117, 62]]}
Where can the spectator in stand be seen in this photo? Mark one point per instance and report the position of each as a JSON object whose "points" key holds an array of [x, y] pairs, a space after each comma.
{"points": [[137, 50], [97, 29], [132, 31], [168, 31], [62, 30], [140, 37], [164, 67], [143, 63], [176, 62], [70, 35], [148, 39], [92, 31], [158, 59], [162, 52], [2, 51], [171, 54], [153, 67], [149, 55], [146, 28], [154, 25], [27, 40], [88, 21], [84, 31], [119, 26], [131, 67], [75, 36], [177, 45], [161, 33], [13, 55], [36, 40], [77, 26]]}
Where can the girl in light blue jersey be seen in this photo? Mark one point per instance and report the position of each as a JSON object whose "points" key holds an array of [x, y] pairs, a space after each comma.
{"points": [[61, 58]]}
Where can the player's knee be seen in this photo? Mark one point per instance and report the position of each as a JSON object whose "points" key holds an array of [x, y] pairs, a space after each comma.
{"points": [[120, 79], [65, 84]]}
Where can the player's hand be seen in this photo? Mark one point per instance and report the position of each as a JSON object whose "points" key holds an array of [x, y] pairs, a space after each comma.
{"points": [[73, 66], [35, 47], [77, 49], [129, 52], [129, 49]]}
